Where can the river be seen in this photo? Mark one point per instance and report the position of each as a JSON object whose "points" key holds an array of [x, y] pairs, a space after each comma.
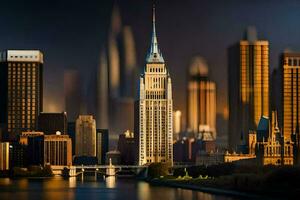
{"points": [[58, 188]]}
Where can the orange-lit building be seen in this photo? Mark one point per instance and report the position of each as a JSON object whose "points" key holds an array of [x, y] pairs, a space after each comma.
{"points": [[21, 89]]}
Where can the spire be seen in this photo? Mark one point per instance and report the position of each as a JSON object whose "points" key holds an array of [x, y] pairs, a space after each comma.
{"points": [[154, 54]]}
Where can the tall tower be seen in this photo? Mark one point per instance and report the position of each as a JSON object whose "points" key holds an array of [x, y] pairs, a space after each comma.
{"points": [[155, 108], [201, 98], [21, 90], [291, 94], [254, 82]]}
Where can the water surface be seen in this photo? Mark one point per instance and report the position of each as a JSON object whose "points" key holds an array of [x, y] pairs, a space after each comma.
{"points": [[58, 188]]}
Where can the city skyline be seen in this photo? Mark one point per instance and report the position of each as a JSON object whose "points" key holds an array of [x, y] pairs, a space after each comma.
{"points": [[109, 115], [195, 25]]}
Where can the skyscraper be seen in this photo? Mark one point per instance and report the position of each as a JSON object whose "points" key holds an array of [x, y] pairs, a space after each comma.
{"points": [[85, 136], [21, 90], [117, 78], [253, 91], [291, 94], [201, 98], [176, 124], [155, 109]]}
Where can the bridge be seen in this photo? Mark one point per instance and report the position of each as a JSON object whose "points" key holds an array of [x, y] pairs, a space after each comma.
{"points": [[106, 170]]}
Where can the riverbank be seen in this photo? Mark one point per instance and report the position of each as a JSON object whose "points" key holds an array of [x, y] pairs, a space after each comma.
{"points": [[211, 186], [217, 191]]}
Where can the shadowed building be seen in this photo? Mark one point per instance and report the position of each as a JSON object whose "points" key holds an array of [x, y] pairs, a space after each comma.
{"points": [[85, 136], [21, 90], [126, 147], [117, 75], [201, 100], [50, 123], [102, 145], [155, 109]]}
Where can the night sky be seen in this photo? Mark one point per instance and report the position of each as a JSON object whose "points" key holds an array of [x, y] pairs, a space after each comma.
{"points": [[71, 32]]}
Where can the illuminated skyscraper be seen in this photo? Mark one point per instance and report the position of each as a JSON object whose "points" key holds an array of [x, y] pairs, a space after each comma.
{"points": [[291, 94], [85, 136], [248, 81], [254, 82], [176, 124], [21, 90], [155, 109], [201, 98]]}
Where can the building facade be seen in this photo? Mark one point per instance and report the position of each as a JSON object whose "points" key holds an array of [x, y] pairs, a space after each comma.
{"points": [[55, 150], [155, 109], [102, 144], [254, 83], [177, 125], [50, 123], [85, 136], [201, 102], [4, 156], [21, 90], [291, 94]]}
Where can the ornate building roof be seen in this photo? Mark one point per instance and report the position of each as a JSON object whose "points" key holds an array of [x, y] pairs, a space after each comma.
{"points": [[154, 55]]}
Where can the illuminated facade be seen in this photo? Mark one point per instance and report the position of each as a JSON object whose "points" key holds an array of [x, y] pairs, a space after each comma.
{"points": [[176, 124], [155, 109], [85, 136], [55, 150], [201, 98], [254, 83], [4, 156], [21, 90], [291, 94], [274, 150]]}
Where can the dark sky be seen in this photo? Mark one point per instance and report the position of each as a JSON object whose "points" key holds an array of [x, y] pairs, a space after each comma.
{"points": [[71, 32]]}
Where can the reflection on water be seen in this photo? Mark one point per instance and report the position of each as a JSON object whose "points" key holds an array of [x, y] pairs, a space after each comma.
{"points": [[107, 189], [110, 181]]}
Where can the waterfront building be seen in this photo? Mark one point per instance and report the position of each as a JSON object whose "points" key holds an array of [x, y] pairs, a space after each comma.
{"points": [[4, 156], [102, 144], [201, 102], [50, 123], [154, 130], [55, 150], [126, 147], [249, 69], [21, 90], [177, 124], [85, 136]]}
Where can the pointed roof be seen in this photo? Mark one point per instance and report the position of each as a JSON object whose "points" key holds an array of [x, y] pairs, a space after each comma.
{"points": [[154, 54]]}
